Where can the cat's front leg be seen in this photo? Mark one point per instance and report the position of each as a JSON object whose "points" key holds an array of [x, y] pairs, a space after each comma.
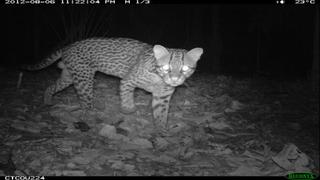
{"points": [[160, 105]]}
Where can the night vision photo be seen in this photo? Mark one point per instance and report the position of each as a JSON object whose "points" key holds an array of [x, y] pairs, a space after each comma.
{"points": [[160, 90]]}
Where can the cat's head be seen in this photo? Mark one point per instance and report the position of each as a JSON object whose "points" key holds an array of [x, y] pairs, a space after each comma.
{"points": [[176, 65]]}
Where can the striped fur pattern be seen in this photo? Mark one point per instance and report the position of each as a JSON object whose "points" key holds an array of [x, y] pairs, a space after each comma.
{"points": [[155, 69]]}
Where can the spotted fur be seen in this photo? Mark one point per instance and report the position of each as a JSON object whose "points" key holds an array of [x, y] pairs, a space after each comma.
{"points": [[155, 69]]}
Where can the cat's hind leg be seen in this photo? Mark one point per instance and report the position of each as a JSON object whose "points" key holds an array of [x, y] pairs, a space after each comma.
{"points": [[63, 82]]}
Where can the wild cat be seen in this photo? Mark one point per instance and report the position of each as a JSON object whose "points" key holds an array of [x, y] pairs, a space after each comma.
{"points": [[155, 69]]}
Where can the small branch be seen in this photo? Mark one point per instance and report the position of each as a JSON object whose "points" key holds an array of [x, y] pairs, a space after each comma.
{"points": [[19, 80]]}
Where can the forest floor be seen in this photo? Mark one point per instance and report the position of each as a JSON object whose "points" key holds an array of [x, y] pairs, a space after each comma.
{"points": [[218, 126]]}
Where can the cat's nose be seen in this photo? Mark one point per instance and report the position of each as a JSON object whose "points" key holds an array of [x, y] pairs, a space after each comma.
{"points": [[174, 78]]}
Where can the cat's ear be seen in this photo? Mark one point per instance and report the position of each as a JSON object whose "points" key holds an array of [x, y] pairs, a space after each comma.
{"points": [[195, 53], [159, 51]]}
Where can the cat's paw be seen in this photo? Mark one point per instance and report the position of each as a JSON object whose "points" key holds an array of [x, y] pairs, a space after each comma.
{"points": [[128, 110], [160, 131]]}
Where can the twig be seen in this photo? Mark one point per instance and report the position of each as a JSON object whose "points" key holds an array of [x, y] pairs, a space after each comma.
{"points": [[19, 80]]}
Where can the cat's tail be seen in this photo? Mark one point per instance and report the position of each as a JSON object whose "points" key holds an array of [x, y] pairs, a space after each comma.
{"points": [[44, 63]]}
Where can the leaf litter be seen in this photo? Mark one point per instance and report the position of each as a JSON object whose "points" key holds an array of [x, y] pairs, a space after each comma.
{"points": [[218, 125]]}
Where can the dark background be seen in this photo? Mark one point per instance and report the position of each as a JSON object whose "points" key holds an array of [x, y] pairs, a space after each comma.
{"points": [[271, 40]]}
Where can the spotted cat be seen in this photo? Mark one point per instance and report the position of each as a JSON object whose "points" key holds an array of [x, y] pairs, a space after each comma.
{"points": [[155, 69]]}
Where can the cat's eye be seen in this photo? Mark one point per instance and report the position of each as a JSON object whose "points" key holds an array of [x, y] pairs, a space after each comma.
{"points": [[165, 67], [185, 68]]}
